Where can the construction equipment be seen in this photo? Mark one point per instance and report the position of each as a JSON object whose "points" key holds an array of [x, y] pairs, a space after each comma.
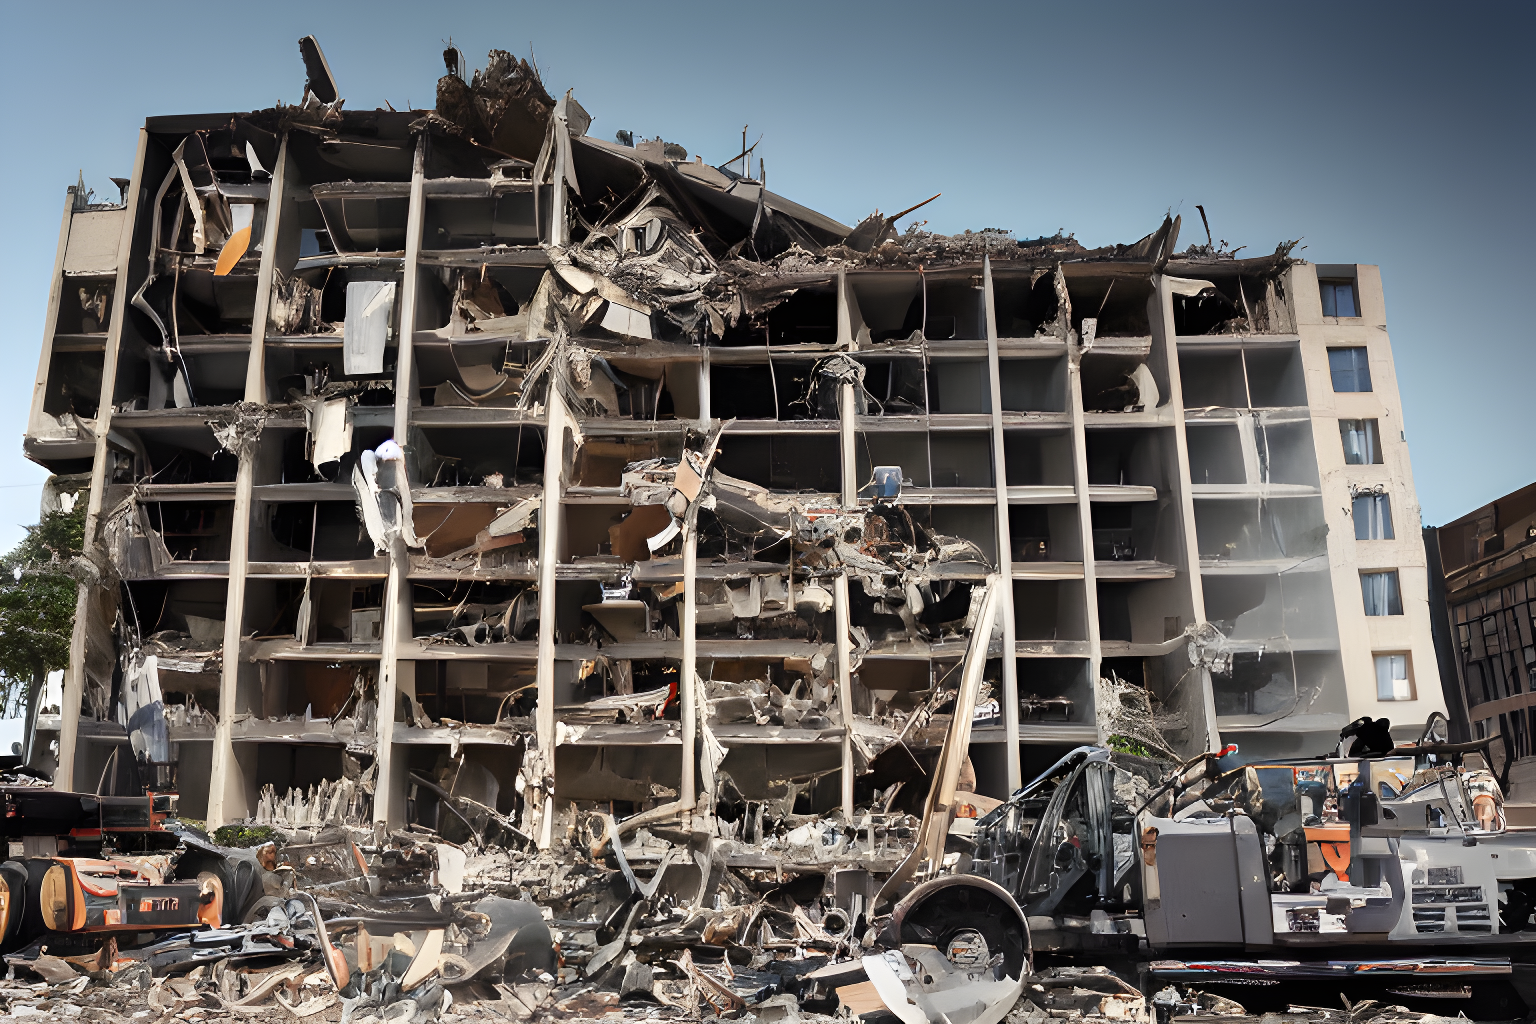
{"points": [[1388, 876], [1390, 873], [88, 866]]}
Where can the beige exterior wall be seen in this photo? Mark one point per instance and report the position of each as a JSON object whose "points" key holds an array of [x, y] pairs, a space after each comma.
{"points": [[1361, 637]]}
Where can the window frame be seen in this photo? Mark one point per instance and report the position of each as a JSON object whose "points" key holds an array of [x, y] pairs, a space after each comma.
{"points": [[1412, 687], [1363, 522], [1370, 431], [1353, 374], [1328, 288], [1392, 598]]}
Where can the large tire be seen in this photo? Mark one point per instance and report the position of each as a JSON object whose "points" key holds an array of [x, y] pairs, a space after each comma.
{"points": [[13, 901], [956, 908]]}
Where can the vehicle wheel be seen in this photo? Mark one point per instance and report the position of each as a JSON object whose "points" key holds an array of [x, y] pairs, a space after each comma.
{"points": [[13, 899], [966, 917]]}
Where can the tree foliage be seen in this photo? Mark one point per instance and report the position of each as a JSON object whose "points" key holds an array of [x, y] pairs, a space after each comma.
{"points": [[37, 601]]}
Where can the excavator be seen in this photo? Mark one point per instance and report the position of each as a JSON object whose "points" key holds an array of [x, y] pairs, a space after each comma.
{"points": [[1384, 871]]}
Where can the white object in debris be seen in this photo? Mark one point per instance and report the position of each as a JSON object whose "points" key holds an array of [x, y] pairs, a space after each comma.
{"points": [[940, 991], [515, 519], [369, 304], [1146, 387], [331, 428], [365, 484], [450, 866], [622, 319], [389, 451], [1187, 286], [813, 598], [660, 541]]}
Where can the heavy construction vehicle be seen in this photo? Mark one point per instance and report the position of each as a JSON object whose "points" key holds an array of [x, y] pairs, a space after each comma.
{"points": [[1387, 873], [1390, 874], [85, 867]]}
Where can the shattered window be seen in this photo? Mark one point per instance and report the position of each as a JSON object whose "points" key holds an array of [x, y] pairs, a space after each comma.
{"points": [[1350, 368], [1362, 442], [1393, 681], [1373, 517], [1381, 592], [1339, 298]]}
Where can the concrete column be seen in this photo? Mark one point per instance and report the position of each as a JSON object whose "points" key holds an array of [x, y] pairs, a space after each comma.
{"points": [[1161, 318], [688, 669], [226, 785], [844, 686], [847, 431], [1084, 510], [74, 675], [549, 555], [397, 626], [1004, 543], [398, 606]]}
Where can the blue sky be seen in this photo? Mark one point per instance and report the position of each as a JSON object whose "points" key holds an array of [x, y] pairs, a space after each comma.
{"points": [[1393, 134]]}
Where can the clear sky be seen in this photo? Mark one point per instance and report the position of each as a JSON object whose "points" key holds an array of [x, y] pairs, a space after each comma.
{"points": [[1396, 134]]}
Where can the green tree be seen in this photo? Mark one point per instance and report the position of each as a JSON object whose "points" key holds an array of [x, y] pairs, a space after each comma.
{"points": [[37, 607]]}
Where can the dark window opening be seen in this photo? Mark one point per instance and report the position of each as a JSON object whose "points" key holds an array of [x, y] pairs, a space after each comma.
{"points": [[1362, 442], [1373, 517], [1382, 594], [1350, 369], [1338, 298]]}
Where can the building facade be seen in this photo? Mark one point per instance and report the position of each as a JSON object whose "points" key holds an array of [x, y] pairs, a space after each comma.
{"points": [[675, 490], [1488, 586]]}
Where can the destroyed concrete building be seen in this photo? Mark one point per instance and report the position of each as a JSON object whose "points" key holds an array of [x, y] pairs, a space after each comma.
{"points": [[464, 454], [1486, 589]]}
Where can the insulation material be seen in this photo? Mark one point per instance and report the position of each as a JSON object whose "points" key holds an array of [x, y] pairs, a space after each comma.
{"points": [[370, 305], [330, 430]]}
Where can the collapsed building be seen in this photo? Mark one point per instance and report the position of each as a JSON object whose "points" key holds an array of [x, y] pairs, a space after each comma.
{"points": [[461, 469]]}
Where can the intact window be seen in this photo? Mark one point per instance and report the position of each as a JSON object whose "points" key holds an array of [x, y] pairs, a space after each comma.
{"points": [[1362, 442], [1373, 517], [1350, 368], [1338, 298], [1381, 592], [1393, 679]]}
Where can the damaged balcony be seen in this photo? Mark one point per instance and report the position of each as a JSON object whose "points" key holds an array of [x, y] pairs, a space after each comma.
{"points": [[1137, 537], [937, 466], [1122, 388], [313, 619], [483, 458], [477, 539], [1274, 696], [68, 392], [1230, 297], [292, 536], [905, 310], [1038, 466], [1050, 618], [1242, 534]]}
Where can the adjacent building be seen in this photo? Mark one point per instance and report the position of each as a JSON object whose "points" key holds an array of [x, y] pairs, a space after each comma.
{"points": [[1487, 583], [461, 451]]}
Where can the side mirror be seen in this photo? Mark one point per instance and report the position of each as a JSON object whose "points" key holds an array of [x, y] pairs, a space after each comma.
{"points": [[1066, 853]]}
